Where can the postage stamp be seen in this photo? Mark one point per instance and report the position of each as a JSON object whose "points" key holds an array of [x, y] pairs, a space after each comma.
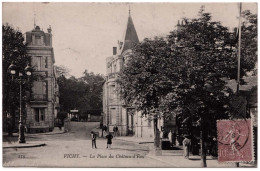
{"points": [[235, 142]]}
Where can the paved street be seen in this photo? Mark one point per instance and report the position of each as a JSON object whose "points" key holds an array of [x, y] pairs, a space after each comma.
{"points": [[74, 150]]}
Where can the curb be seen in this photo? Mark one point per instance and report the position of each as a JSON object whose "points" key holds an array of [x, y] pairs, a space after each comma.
{"points": [[28, 134], [135, 141], [47, 133], [146, 142], [26, 146]]}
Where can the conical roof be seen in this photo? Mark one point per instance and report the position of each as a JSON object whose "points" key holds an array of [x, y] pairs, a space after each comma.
{"points": [[130, 38]]}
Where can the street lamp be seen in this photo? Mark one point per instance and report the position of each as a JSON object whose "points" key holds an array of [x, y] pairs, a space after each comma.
{"points": [[12, 70]]}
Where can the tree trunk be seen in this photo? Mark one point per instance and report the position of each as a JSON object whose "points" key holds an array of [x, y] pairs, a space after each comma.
{"points": [[203, 136], [156, 137]]}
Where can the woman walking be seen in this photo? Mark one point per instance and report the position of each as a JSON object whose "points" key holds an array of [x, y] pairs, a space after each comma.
{"points": [[186, 146], [109, 140]]}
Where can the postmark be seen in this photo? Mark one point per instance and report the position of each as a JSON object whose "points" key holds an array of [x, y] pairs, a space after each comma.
{"points": [[235, 142]]}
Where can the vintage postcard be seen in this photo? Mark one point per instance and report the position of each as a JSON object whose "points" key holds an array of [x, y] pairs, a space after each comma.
{"points": [[162, 85]]}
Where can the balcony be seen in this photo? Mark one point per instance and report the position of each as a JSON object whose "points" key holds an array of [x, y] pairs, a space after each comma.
{"points": [[39, 97]]}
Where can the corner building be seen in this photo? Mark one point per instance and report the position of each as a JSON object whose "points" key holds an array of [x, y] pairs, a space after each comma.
{"points": [[44, 104], [115, 112]]}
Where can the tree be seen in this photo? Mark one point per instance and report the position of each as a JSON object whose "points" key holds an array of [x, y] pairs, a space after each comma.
{"points": [[62, 70], [71, 90], [84, 93], [13, 51], [143, 81], [94, 83], [248, 42], [184, 74]]}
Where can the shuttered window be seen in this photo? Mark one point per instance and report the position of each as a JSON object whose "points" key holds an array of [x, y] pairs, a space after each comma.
{"points": [[39, 114], [36, 63]]}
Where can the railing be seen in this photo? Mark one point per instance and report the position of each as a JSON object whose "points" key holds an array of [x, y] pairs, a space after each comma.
{"points": [[39, 97]]}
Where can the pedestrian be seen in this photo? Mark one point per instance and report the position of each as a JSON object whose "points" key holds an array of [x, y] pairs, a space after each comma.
{"points": [[161, 134], [186, 146], [101, 126], [170, 137], [174, 138], [214, 147], [59, 124], [109, 140], [105, 128], [104, 131], [93, 137], [117, 132], [114, 130]]}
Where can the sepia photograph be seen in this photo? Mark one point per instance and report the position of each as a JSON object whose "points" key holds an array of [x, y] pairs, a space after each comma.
{"points": [[129, 84]]}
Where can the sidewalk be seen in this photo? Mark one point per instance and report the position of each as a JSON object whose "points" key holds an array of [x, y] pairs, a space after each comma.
{"points": [[23, 145], [139, 140], [11, 141], [56, 130], [175, 158]]}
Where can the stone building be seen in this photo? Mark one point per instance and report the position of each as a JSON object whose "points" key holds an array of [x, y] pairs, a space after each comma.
{"points": [[44, 104], [115, 112]]}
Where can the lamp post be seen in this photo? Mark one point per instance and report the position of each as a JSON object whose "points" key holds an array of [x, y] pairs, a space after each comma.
{"points": [[27, 71]]}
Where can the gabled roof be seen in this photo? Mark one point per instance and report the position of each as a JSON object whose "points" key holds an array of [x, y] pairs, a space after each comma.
{"points": [[130, 37]]}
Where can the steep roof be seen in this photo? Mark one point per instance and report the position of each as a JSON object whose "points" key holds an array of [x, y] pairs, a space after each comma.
{"points": [[130, 38]]}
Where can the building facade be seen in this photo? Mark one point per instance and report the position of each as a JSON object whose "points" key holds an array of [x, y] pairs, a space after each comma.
{"points": [[44, 104], [115, 112]]}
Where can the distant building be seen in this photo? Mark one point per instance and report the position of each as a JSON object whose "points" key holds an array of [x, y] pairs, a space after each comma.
{"points": [[44, 104], [115, 112]]}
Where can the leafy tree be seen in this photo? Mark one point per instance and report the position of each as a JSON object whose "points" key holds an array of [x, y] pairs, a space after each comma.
{"points": [[143, 82], [84, 93], [184, 74], [94, 84], [71, 91], [62, 70], [248, 42], [13, 51]]}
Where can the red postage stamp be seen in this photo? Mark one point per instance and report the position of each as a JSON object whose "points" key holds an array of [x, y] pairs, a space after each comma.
{"points": [[235, 142]]}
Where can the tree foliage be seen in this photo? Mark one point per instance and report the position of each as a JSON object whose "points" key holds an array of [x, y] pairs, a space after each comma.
{"points": [[184, 74], [62, 70], [13, 51], [84, 93], [186, 71], [248, 41]]}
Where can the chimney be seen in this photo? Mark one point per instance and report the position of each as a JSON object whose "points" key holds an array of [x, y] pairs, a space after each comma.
{"points": [[49, 29], [114, 50]]}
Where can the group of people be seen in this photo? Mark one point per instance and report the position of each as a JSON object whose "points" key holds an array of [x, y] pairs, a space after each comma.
{"points": [[105, 129], [109, 138]]}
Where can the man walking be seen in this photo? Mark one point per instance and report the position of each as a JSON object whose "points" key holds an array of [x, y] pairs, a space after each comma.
{"points": [[93, 137]]}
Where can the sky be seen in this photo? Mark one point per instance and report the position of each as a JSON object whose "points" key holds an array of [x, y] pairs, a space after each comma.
{"points": [[85, 33]]}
